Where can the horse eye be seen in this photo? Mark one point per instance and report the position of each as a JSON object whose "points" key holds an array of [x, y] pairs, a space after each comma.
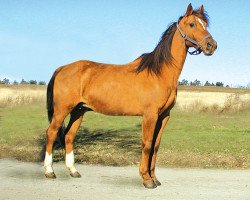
{"points": [[192, 24]]}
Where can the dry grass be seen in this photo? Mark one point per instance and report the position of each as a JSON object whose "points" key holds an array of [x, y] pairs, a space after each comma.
{"points": [[213, 89], [21, 95], [219, 102]]}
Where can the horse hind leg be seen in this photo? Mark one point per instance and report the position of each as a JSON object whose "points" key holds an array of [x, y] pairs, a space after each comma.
{"points": [[51, 135], [76, 116]]}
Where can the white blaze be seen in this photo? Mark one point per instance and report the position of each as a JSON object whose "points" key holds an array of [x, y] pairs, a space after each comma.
{"points": [[48, 163], [70, 162], [202, 23]]}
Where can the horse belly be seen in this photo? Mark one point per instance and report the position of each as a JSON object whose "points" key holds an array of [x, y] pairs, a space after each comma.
{"points": [[114, 102]]}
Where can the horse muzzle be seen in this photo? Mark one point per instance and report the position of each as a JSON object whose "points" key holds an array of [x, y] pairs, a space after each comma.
{"points": [[209, 47]]}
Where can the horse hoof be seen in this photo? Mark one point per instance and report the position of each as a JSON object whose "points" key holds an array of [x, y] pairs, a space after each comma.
{"points": [[50, 175], [158, 183], [75, 175], [150, 184]]}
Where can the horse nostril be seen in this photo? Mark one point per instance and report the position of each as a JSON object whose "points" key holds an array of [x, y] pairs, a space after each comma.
{"points": [[209, 45]]}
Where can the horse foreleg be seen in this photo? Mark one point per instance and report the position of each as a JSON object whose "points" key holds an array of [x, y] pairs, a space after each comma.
{"points": [[148, 126], [74, 123], [158, 133]]}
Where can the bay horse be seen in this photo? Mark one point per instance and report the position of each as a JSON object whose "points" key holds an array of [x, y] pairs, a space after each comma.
{"points": [[145, 87]]}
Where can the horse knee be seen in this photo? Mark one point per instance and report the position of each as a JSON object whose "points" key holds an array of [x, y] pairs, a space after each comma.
{"points": [[50, 135], [146, 147]]}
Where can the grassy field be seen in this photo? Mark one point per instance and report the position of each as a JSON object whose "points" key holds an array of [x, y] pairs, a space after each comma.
{"points": [[200, 133]]}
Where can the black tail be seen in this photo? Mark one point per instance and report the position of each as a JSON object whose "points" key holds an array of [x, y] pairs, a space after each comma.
{"points": [[50, 110], [50, 102]]}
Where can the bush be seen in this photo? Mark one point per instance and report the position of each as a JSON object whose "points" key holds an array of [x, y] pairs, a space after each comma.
{"points": [[23, 82], [183, 82], [219, 84], [41, 83], [33, 82], [195, 83]]}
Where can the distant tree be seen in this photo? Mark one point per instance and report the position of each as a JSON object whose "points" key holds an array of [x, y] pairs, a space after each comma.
{"points": [[41, 83], [183, 82], [15, 82], [227, 86], [219, 84], [248, 85], [23, 82], [32, 82], [195, 83], [5, 81], [207, 84]]}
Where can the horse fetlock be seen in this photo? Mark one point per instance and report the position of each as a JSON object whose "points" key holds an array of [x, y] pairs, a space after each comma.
{"points": [[70, 164], [73, 172], [72, 169], [48, 168], [48, 164], [145, 175]]}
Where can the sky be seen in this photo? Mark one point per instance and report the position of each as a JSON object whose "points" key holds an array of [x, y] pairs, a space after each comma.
{"points": [[36, 37]]}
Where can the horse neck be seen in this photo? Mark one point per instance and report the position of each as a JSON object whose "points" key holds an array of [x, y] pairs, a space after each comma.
{"points": [[179, 54]]}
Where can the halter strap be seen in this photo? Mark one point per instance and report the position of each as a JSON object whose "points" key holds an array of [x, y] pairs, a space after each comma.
{"points": [[197, 44]]}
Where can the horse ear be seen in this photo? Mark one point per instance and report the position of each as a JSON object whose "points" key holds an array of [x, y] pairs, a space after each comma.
{"points": [[201, 9], [189, 10]]}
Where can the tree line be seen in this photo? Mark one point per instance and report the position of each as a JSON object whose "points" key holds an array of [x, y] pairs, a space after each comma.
{"points": [[198, 83], [182, 82], [6, 81]]}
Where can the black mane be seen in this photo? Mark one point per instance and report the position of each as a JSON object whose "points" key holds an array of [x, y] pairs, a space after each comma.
{"points": [[162, 53], [153, 60]]}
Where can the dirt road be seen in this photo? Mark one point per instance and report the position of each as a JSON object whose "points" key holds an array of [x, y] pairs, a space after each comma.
{"points": [[26, 181]]}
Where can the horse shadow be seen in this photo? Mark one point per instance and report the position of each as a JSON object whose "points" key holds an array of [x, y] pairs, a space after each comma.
{"points": [[120, 138], [126, 139]]}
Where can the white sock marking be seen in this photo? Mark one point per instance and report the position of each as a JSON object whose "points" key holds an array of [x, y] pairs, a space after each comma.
{"points": [[201, 22], [70, 162], [48, 163]]}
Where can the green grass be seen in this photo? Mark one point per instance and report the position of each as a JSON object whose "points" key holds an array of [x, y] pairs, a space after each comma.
{"points": [[23, 122], [207, 132], [189, 140]]}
